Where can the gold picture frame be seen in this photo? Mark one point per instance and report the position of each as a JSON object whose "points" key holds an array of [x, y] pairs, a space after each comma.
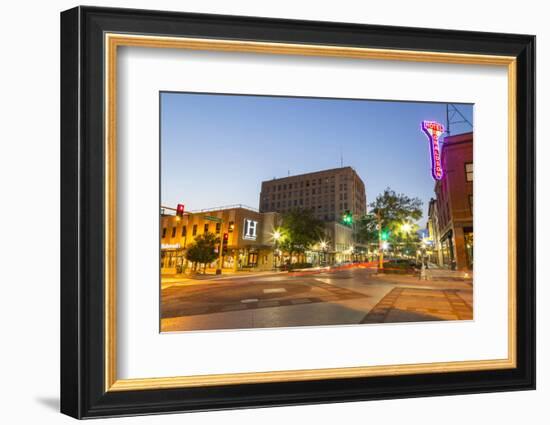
{"points": [[91, 39]]}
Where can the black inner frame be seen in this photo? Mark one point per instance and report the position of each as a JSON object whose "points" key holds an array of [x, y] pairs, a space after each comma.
{"points": [[82, 217]]}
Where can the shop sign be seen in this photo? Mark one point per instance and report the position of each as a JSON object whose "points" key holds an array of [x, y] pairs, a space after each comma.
{"points": [[250, 229], [170, 246], [434, 130]]}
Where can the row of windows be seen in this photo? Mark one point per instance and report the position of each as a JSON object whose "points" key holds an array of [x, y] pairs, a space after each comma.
{"points": [[469, 167], [307, 183], [206, 229], [286, 186], [301, 193], [300, 203], [285, 208], [265, 200]]}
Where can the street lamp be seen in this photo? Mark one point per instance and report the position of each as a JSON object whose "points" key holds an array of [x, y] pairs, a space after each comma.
{"points": [[323, 246], [277, 235], [406, 227]]}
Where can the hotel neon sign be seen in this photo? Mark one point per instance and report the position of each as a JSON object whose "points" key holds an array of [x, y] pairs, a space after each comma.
{"points": [[434, 130]]}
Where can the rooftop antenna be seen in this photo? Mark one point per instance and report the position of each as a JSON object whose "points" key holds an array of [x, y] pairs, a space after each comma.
{"points": [[454, 116], [341, 157], [288, 173]]}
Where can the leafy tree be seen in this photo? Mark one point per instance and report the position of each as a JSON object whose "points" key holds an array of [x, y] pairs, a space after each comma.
{"points": [[395, 209], [300, 230], [202, 251], [388, 213], [366, 229], [408, 241]]}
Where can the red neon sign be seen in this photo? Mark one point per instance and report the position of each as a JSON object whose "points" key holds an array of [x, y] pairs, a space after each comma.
{"points": [[434, 130]]}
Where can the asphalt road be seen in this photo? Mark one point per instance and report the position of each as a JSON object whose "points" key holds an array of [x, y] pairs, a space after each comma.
{"points": [[350, 296]]}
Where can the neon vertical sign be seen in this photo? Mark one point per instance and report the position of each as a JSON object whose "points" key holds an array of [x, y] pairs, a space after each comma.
{"points": [[434, 130]]}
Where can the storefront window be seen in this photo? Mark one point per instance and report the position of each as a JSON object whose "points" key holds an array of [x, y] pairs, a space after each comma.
{"points": [[447, 251], [469, 242]]}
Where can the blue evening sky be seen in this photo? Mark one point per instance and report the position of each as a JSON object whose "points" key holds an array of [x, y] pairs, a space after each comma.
{"points": [[217, 149]]}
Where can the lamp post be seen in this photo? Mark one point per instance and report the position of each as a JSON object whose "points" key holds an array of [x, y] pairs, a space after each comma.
{"points": [[323, 246], [276, 238]]}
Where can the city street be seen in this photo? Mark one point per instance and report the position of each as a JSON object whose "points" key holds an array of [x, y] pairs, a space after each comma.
{"points": [[351, 295]]}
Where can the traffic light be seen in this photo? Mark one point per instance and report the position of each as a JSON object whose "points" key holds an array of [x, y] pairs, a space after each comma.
{"points": [[385, 235], [225, 240], [180, 209], [348, 218]]}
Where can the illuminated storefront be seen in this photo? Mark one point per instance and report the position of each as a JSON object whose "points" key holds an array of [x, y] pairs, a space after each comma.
{"points": [[451, 217], [246, 235]]}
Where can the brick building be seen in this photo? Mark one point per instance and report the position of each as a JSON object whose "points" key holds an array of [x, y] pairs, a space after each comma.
{"points": [[454, 203], [328, 193], [249, 244]]}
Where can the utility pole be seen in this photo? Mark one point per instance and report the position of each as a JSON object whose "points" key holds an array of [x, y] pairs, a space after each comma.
{"points": [[454, 116], [220, 257]]}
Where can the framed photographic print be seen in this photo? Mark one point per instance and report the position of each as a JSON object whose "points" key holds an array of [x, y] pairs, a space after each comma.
{"points": [[261, 212]]}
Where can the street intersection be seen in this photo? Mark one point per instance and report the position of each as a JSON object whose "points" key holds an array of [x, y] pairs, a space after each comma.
{"points": [[341, 296]]}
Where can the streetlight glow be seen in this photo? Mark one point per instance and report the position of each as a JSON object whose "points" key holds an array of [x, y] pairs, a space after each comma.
{"points": [[406, 227]]}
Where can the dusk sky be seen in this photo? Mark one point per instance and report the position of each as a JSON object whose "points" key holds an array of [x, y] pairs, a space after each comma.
{"points": [[217, 149]]}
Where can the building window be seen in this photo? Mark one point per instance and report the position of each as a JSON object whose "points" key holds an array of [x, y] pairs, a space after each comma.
{"points": [[173, 232], [469, 171], [205, 227], [184, 231], [231, 227], [163, 232], [218, 228], [194, 229]]}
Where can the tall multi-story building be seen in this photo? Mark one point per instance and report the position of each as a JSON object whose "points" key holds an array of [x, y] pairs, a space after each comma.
{"points": [[328, 193], [454, 193]]}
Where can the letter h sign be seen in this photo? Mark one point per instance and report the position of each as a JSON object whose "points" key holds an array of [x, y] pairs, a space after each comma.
{"points": [[250, 229]]}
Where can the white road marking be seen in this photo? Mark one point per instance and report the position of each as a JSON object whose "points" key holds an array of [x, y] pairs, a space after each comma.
{"points": [[250, 300], [327, 281], [274, 290]]}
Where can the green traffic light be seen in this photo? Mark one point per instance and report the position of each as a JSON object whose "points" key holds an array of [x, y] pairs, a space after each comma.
{"points": [[348, 218]]}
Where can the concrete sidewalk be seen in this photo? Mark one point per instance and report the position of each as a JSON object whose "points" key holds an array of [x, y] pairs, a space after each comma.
{"points": [[416, 282]]}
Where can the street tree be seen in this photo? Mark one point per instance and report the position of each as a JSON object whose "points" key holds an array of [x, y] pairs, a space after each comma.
{"points": [[203, 250], [384, 222], [406, 239], [300, 231]]}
